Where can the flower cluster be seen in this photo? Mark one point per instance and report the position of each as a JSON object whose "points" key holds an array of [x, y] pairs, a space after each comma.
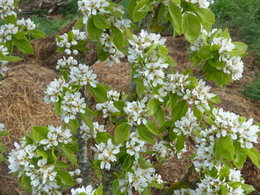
{"points": [[139, 179], [92, 7], [177, 83], [109, 47], [215, 184], [137, 112], [135, 145], [83, 191], [88, 133], [106, 153], [28, 24], [82, 75], [72, 104], [230, 124], [68, 41], [54, 91], [7, 8], [41, 174], [163, 149], [66, 63], [6, 32], [108, 107], [234, 65], [201, 3], [55, 136], [199, 96], [141, 43], [186, 125]]}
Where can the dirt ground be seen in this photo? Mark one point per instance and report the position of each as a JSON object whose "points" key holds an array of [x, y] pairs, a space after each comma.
{"points": [[22, 106]]}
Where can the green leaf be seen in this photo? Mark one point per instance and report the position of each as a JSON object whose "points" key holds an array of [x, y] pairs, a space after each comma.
{"points": [[79, 24], [11, 58], [173, 98], [73, 125], [26, 182], [23, 45], [42, 153], [180, 142], [117, 38], [152, 128], [99, 93], [39, 133], [207, 17], [190, 27], [247, 188], [215, 99], [2, 147], [101, 21], [2, 158], [240, 49], [4, 133], [99, 190], [58, 107], [140, 10], [139, 87], [122, 133], [224, 148], [176, 16], [197, 113], [37, 34], [128, 162], [240, 156], [65, 177], [179, 110], [159, 115], [69, 155], [144, 134], [103, 137], [254, 156], [10, 19], [87, 120], [144, 164], [152, 106], [93, 32], [131, 7]]}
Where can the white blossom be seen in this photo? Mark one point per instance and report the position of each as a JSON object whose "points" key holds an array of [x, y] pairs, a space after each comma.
{"points": [[137, 112], [135, 145], [109, 47], [6, 32], [64, 63], [7, 8], [28, 24], [82, 75], [92, 7], [72, 104], [187, 124], [199, 96], [54, 91], [201, 3], [106, 153], [83, 191], [55, 136], [177, 83], [229, 124], [87, 133]]}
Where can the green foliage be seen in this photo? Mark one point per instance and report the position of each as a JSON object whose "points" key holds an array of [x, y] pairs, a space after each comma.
{"points": [[243, 17], [50, 26], [252, 89]]}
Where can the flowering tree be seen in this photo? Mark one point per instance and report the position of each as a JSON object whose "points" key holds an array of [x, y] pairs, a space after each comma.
{"points": [[154, 119]]}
